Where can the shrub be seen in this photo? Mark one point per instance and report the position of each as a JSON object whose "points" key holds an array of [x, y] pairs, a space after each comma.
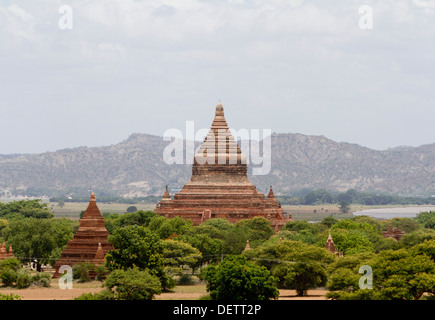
{"points": [[9, 296], [185, 279], [41, 279], [8, 277], [81, 271], [300, 276], [23, 279], [343, 279], [103, 295], [133, 284], [10, 263], [101, 272], [235, 278]]}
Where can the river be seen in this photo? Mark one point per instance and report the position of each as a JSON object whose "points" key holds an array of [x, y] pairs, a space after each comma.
{"points": [[390, 213]]}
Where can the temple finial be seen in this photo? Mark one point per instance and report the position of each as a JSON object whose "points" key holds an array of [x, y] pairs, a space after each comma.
{"points": [[219, 109], [271, 195], [166, 195]]}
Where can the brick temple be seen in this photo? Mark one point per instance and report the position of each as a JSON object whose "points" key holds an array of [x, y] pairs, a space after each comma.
{"points": [[394, 233], [4, 253], [219, 186], [90, 241], [330, 246]]}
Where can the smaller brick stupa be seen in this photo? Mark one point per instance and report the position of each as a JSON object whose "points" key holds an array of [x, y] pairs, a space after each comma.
{"points": [[394, 233], [4, 254], [90, 241], [330, 246]]}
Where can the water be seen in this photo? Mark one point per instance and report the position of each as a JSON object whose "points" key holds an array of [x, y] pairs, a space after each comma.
{"points": [[390, 213]]}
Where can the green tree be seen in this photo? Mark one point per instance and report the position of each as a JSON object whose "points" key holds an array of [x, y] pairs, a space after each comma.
{"points": [[343, 279], [137, 246], [302, 230], [300, 225], [141, 218], [404, 274], [355, 235], [25, 209], [23, 279], [235, 278], [344, 206], [419, 236], [133, 284], [235, 241], [424, 217], [210, 248], [319, 197], [167, 228], [178, 254], [131, 209], [129, 284], [399, 274], [34, 238], [9, 296], [329, 221], [258, 229], [297, 265], [300, 276], [8, 277], [10, 263], [430, 223], [273, 253], [3, 224], [350, 241], [427, 248], [405, 224], [81, 271], [61, 203]]}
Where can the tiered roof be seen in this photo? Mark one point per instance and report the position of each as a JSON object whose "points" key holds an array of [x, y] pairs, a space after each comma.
{"points": [[89, 242], [219, 186]]}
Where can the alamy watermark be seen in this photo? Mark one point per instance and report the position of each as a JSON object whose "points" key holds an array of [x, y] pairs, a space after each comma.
{"points": [[215, 149], [66, 280], [366, 20], [366, 281], [65, 21]]}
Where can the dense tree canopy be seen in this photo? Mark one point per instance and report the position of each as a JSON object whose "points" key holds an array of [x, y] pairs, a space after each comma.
{"points": [[235, 278], [34, 238], [151, 247], [25, 209]]}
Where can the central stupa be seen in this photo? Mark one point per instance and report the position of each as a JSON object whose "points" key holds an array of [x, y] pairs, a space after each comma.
{"points": [[219, 186]]}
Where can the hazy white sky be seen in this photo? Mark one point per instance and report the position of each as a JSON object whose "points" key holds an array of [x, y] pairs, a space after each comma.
{"points": [[293, 66]]}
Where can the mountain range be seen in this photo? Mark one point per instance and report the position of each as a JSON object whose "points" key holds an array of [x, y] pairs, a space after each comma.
{"points": [[135, 167]]}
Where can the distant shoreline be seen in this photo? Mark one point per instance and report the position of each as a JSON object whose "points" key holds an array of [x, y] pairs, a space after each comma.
{"points": [[396, 212]]}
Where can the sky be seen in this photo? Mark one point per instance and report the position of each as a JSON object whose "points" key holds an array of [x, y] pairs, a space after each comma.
{"points": [[100, 70]]}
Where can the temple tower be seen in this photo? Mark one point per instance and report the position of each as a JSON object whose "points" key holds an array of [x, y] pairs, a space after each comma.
{"points": [[89, 242], [219, 186], [4, 253], [330, 243]]}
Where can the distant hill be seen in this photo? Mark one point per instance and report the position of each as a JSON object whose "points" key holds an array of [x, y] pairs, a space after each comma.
{"points": [[135, 167]]}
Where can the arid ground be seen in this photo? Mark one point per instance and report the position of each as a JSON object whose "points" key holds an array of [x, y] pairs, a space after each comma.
{"points": [[188, 292]]}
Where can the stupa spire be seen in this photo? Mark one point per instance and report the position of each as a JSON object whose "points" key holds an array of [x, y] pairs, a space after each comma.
{"points": [[219, 186], [330, 243], [270, 195], [219, 146], [90, 237], [166, 195], [92, 209]]}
